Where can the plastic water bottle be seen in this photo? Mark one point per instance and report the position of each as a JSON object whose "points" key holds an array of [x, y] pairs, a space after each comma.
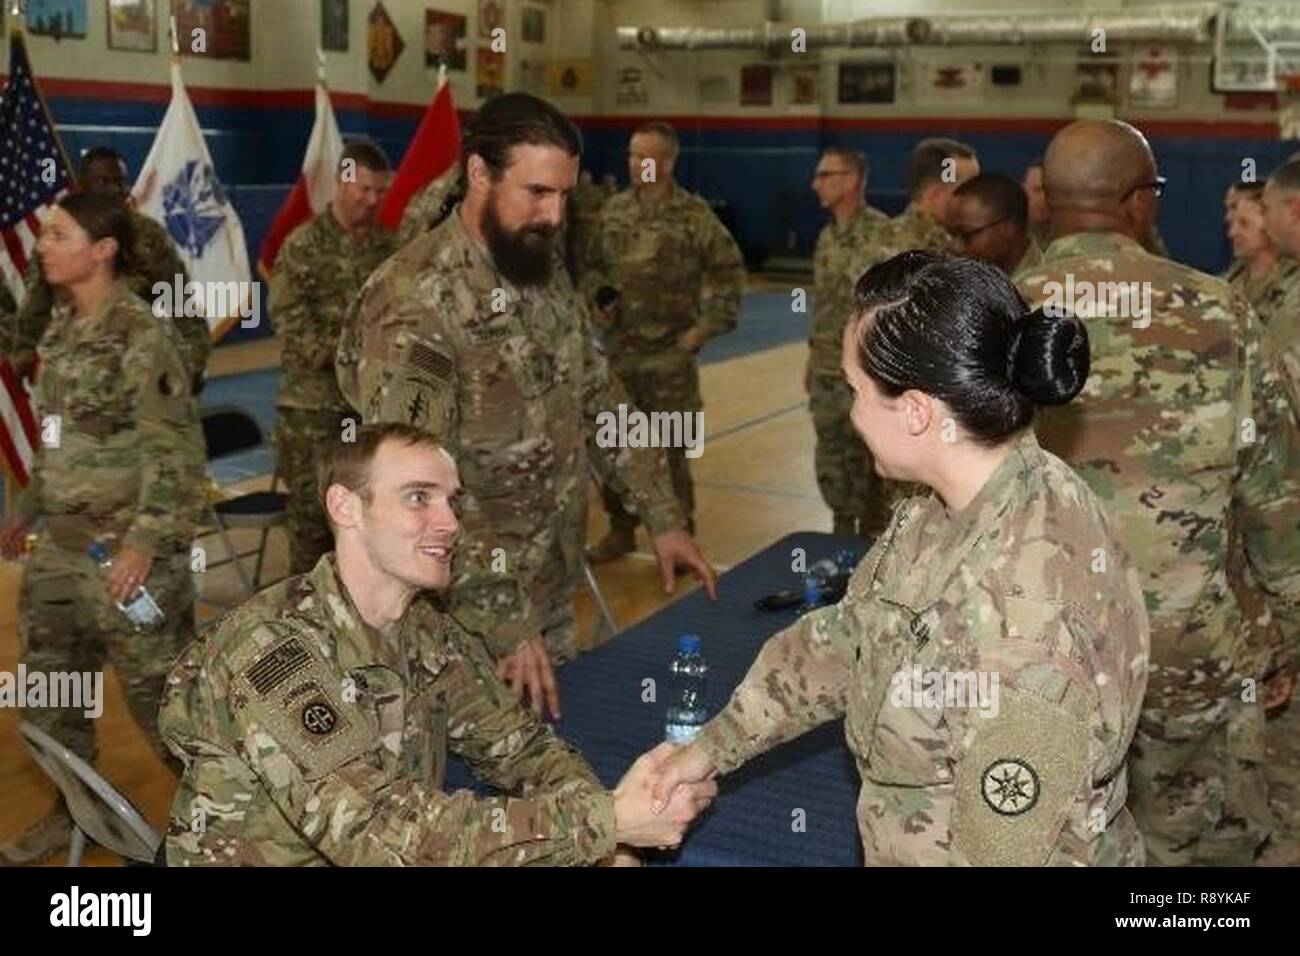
{"points": [[142, 610], [824, 583], [688, 706]]}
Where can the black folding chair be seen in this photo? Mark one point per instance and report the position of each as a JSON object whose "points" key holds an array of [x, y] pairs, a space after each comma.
{"points": [[229, 430]]}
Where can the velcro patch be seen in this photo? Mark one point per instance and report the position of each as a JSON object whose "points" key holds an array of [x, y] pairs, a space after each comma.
{"points": [[427, 359], [273, 669], [1017, 782]]}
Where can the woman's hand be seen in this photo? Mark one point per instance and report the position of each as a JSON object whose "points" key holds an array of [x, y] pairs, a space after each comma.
{"points": [[13, 538], [130, 570]]}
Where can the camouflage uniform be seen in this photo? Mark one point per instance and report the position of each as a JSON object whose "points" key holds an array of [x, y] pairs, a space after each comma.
{"points": [[911, 229], [1209, 515], [1007, 586], [127, 469], [514, 396], [309, 738], [1265, 293], [1033, 256], [581, 216], [431, 205], [1281, 320], [845, 473], [153, 259], [675, 267], [318, 272], [1153, 242]]}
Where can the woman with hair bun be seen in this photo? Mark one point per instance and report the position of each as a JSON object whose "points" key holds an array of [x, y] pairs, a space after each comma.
{"points": [[990, 655]]}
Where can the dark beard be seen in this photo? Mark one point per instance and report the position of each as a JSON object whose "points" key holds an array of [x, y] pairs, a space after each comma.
{"points": [[525, 257]]}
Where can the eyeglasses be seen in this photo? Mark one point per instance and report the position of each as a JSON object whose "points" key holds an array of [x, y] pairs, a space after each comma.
{"points": [[965, 237], [1157, 186]]}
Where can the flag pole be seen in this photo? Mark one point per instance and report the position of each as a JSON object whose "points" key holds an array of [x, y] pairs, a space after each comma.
{"points": [[19, 36], [320, 67]]}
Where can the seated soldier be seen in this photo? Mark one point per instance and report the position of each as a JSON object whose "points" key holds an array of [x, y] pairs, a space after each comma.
{"points": [[315, 721]]}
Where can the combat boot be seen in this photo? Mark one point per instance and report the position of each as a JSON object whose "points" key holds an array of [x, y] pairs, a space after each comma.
{"points": [[40, 841], [615, 544]]}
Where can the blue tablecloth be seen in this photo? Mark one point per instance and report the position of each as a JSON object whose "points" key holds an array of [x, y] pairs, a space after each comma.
{"points": [[755, 821]]}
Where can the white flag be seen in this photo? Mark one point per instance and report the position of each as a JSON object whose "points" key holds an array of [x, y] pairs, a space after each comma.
{"points": [[178, 187], [314, 189]]}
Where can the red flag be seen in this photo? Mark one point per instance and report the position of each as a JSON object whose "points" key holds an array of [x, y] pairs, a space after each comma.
{"points": [[432, 152], [315, 186]]}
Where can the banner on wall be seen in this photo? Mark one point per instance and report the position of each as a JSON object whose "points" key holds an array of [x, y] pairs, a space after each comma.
{"points": [[950, 83], [1153, 84], [178, 186], [314, 190], [383, 43], [570, 77]]}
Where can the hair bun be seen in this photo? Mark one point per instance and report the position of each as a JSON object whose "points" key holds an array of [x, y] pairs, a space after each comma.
{"points": [[1048, 358]]}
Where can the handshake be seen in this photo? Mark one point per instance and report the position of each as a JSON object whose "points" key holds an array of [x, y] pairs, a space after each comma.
{"points": [[661, 794]]}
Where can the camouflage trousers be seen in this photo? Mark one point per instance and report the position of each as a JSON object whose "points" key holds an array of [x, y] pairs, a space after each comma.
{"points": [[1197, 785], [845, 474], [68, 623], [301, 436], [667, 381], [1282, 771]]}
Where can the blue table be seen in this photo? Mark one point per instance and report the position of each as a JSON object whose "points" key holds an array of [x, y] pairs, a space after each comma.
{"points": [[753, 822]]}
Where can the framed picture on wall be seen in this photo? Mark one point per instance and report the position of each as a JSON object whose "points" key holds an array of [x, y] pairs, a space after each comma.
{"points": [[756, 85], [490, 16], [866, 83], [334, 25], [226, 26], [444, 39], [534, 25], [383, 43], [57, 18], [491, 70], [133, 25]]}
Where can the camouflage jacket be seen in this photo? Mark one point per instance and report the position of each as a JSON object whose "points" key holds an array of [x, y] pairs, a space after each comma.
{"points": [[153, 259], [1030, 769], [674, 265], [121, 452], [309, 738], [911, 229], [581, 216], [431, 205], [1281, 317], [511, 381], [1268, 292], [1184, 434], [837, 247], [318, 272]]}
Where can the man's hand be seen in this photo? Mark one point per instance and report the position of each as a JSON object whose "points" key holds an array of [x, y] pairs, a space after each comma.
{"points": [[130, 570], [1278, 690], [691, 340], [638, 824], [13, 538], [528, 671], [680, 766], [677, 547], [622, 857]]}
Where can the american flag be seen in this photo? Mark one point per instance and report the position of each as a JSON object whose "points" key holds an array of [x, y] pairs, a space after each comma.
{"points": [[34, 171]]}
